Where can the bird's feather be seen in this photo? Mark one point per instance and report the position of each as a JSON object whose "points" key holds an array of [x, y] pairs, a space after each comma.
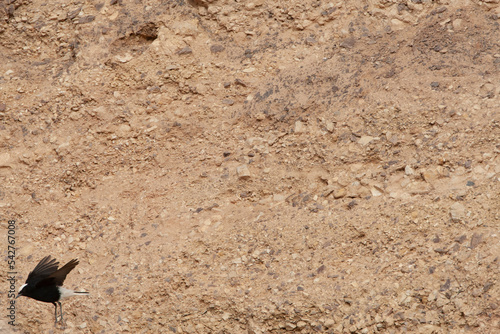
{"points": [[60, 275], [47, 273], [43, 269]]}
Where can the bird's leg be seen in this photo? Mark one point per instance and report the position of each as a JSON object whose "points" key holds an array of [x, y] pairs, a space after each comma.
{"points": [[62, 319], [55, 315]]}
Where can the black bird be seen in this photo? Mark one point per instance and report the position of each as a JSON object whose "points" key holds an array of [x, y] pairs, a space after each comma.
{"points": [[44, 283]]}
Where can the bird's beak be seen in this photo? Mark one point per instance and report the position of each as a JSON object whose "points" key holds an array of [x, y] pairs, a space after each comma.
{"points": [[18, 295]]}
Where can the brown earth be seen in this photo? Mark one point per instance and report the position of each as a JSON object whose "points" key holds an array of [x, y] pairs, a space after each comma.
{"points": [[255, 166]]}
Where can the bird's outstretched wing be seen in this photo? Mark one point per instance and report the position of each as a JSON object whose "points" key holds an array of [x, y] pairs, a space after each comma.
{"points": [[60, 275], [43, 269]]}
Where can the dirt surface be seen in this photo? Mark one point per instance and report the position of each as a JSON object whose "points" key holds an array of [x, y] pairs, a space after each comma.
{"points": [[255, 166]]}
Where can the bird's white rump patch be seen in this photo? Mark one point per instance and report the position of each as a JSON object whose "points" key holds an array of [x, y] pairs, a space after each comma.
{"points": [[65, 293], [22, 287]]}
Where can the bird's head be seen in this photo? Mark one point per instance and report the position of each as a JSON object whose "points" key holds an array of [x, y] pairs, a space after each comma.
{"points": [[22, 290]]}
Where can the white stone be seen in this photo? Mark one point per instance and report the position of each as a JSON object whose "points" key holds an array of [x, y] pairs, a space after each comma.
{"points": [[300, 127], [365, 140], [243, 172], [409, 170], [457, 211]]}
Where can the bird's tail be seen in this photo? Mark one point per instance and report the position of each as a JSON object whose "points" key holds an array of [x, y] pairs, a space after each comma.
{"points": [[65, 293]]}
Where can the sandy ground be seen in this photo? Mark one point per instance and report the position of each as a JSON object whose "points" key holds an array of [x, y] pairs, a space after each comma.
{"points": [[254, 166]]}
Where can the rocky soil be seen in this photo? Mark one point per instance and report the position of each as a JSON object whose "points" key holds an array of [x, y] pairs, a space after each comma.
{"points": [[225, 166]]}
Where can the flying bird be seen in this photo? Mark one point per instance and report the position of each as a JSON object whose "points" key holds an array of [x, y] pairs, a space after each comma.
{"points": [[44, 283]]}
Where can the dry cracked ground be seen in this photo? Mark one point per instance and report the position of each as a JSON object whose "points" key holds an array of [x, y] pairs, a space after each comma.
{"points": [[225, 166]]}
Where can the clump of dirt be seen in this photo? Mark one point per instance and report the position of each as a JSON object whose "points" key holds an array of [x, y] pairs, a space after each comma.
{"points": [[257, 166]]}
